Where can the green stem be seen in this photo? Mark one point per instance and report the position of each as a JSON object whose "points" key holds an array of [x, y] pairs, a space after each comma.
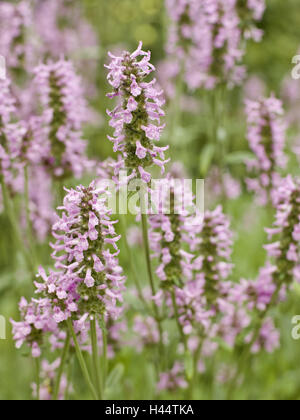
{"points": [[10, 212], [192, 382], [59, 192], [216, 121], [96, 358], [132, 266], [247, 349], [179, 326], [30, 235], [69, 378], [176, 112], [147, 252], [104, 357], [62, 366], [149, 269], [37, 363], [81, 361]]}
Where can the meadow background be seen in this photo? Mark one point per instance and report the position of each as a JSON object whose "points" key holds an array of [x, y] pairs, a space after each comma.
{"points": [[123, 23]]}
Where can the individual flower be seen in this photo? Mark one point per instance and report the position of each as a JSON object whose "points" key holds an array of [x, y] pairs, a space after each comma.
{"points": [[266, 136], [136, 120]]}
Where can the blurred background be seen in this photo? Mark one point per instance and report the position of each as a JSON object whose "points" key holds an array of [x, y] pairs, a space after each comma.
{"points": [[121, 24]]}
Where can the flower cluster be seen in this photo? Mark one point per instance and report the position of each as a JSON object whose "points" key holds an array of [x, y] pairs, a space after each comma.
{"points": [[205, 296], [16, 19], [231, 187], [136, 120], [281, 270], [285, 250], [266, 136], [290, 92], [47, 382], [91, 281], [213, 242], [41, 202], [194, 266], [169, 231], [208, 37], [256, 295], [146, 330], [64, 111], [172, 380], [10, 140], [88, 280], [37, 321], [63, 39], [268, 338]]}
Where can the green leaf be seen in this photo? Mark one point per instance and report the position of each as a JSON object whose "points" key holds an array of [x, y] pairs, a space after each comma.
{"points": [[296, 288], [222, 134], [236, 158], [115, 376], [189, 365], [223, 345], [206, 158]]}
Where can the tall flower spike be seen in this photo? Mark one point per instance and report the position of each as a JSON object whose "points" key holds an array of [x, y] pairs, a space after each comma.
{"points": [[213, 242], [76, 34], [90, 280], [201, 299], [266, 136], [10, 140], [41, 202], [16, 20], [285, 251], [169, 234], [64, 111], [281, 270], [208, 38], [137, 119]]}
